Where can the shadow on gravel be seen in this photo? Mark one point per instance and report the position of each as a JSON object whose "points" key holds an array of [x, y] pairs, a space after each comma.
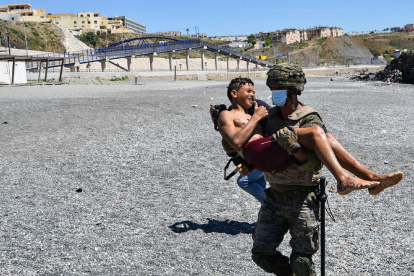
{"points": [[228, 227]]}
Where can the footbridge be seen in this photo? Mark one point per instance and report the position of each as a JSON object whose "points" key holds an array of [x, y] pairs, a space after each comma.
{"points": [[145, 46]]}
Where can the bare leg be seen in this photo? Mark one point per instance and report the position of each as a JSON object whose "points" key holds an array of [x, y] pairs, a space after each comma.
{"points": [[348, 162], [314, 138]]}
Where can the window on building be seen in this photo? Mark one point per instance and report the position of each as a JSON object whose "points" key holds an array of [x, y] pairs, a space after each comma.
{"points": [[74, 22], [83, 22], [81, 15], [95, 22]]}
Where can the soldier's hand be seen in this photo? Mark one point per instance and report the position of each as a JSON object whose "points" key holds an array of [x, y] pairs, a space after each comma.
{"points": [[260, 111], [287, 138]]}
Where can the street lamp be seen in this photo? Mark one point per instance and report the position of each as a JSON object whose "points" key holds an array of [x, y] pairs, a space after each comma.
{"points": [[25, 38], [46, 45], [122, 36], [197, 30]]}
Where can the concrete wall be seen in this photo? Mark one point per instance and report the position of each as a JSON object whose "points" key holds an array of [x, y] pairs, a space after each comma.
{"points": [[6, 71]]}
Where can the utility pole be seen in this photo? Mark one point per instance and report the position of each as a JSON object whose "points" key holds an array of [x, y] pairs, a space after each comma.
{"points": [[25, 38]]}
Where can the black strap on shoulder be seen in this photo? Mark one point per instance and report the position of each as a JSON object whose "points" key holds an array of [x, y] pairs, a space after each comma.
{"points": [[227, 177]]}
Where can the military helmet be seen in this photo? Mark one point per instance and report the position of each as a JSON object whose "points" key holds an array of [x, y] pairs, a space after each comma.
{"points": [[286, 75]]}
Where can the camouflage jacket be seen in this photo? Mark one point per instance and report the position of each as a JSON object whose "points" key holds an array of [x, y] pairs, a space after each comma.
{"points": [[293, 178]]}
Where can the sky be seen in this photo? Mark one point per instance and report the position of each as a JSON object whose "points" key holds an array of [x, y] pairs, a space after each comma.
{"points": [[231, 17]]}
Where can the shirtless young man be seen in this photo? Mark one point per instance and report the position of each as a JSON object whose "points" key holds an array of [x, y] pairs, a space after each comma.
{"points": [[245, 135]]}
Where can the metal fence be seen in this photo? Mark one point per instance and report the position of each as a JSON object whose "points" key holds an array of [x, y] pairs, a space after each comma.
{"points": [[127, 51]]}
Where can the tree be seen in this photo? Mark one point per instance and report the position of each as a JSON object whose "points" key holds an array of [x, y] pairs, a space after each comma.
{"points": [[89, 38], [268, 40], [251, 39]]}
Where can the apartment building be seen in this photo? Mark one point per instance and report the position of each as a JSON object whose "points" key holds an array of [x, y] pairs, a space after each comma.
{"points": [[288, 36], [238, 38], [408, 27], [199, 35], [169, 33], [90, 21], [303, 35], [131, 24], [20, 12], [285, 36]]}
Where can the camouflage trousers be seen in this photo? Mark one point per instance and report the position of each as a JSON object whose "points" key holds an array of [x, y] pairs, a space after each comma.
{"points": [[295, 211]]}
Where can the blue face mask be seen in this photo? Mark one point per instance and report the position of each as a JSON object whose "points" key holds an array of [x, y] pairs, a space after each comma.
{"points": [[279, 97]]}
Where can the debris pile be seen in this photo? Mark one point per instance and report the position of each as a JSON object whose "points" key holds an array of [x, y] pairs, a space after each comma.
{"points": [[362, 74], [400, 69]]}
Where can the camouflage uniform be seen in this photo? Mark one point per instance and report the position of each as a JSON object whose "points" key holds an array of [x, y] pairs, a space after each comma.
{"points": [[290, 202]]}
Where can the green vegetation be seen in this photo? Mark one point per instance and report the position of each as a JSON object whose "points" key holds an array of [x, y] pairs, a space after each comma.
{"points": [[399, 45], [251, 39], [268, 40], [321, 41], [36, 35], [89, 39], [374, 52], [119, 78], [378, 46]]}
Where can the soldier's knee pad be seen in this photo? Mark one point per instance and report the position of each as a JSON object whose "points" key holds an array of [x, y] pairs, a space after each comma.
{"points": [[301, 264], [276, 263]]}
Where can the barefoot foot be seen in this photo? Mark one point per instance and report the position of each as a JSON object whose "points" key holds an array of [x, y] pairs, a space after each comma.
{"points": [[386, 181], [353, 184]]}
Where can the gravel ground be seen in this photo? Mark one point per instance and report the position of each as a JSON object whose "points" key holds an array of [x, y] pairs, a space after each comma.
{"points": [[127, 180]]}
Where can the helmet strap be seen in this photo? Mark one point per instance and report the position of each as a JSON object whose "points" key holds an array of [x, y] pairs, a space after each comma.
{"points": [[290, 96]]}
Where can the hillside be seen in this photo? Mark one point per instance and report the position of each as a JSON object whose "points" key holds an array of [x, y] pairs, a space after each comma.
{"points": [[345, 50], [36, 33]]}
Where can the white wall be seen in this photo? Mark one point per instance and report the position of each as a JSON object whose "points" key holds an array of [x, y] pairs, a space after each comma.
{"points": [[6, 70]]}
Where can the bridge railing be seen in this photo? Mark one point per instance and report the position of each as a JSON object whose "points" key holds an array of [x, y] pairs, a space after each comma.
{"points": [[232, 52], [125, 51]]}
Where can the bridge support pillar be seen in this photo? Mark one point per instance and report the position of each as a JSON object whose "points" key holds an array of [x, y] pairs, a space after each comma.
{"points": [[216, 59], [103, 65], [129, 60], [238, 65], [202, 59], [228, 64], [187, 59], [170, 59], [152, 62]]}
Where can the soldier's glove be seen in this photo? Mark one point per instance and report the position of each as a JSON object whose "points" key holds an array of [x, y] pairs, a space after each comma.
{"points": [[287, 138]]}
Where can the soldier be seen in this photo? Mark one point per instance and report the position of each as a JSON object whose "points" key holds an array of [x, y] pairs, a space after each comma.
{"points": [[244, 133], [289, 203]]}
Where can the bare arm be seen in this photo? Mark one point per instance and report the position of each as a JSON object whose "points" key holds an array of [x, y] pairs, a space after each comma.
{"points": [[239, 138]]}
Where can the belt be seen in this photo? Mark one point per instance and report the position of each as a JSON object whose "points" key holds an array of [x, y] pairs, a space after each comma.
{"points": [[297, 192]]}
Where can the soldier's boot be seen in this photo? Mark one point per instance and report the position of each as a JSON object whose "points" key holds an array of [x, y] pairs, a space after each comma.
{"points": [[275, 263], [287, 138], [302, 264]]}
